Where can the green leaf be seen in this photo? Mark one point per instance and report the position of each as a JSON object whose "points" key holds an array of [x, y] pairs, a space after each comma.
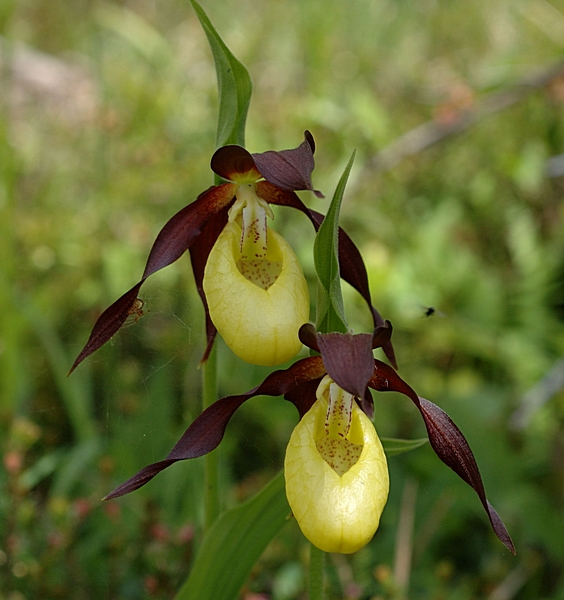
{"points": [[234, 544], [40, 470], [137, 32], [234, 83], [330, 310], [396, 446], [75, 467]]}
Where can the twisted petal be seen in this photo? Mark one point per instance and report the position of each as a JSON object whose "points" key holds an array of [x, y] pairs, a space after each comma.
{"points": [[337, 513], [185, 226], [446, 440], [259, 323], [174, 239], [207, 431], [353, 270]]}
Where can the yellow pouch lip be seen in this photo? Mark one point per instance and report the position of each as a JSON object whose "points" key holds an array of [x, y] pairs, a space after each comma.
{"points": [[335, 513], [260, 326]]}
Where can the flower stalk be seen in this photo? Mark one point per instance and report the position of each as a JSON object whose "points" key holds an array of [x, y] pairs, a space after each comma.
{"points": [[211, 467], [316, 580]]}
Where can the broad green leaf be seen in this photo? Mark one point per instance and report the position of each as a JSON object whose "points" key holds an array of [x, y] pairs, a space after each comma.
{"points": [[396, 446], [234, 83], [330, 310], [234, 543]]}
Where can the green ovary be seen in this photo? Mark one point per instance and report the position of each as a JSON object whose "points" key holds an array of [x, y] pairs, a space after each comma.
{"points": [[256, 303], [337, 489]]}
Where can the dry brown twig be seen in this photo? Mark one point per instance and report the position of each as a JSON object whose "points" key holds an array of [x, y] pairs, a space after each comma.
{"points": [[423, 136]]}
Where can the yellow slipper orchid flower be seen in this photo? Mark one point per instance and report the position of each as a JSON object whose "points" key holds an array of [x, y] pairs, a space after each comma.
{"points": [[253, 182], [257, 304], [335, 470]]}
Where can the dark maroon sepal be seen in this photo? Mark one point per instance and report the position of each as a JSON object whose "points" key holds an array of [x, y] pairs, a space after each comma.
{"points": [[232, 162], [207, 431], [308, 337], [348, 359], [289, 170], [446, 440]]}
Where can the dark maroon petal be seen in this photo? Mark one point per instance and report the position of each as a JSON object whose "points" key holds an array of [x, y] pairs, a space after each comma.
{"points": [[283, 382], [446, 440], [173, 240], [108, 324], [289, 170], [199, 253], [234, 162], [203, 435], [352, 266], [207, 431], [139, 480], [185, 226], [452, 448], [275, 195], [353, 271], [348, 359], [308, 336]]}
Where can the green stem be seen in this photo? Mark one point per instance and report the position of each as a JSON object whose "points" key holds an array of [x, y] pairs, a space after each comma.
{"points": [[316, 568], [211, 471]]}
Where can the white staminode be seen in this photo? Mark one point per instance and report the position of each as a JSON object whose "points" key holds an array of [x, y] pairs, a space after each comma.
{"points": [[335, 449], [250, 212]]}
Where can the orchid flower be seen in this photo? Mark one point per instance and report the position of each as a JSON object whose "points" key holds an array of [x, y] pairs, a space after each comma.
{"points": [[249, 279], [335, 468]]}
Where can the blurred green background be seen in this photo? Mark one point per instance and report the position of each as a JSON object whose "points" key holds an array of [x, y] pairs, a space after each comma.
{"points": [[107, 122]]}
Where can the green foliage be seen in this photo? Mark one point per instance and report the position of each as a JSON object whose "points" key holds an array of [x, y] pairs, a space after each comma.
{"points": [[234, 85], [394, 446], [471, 226], [234, 544]]}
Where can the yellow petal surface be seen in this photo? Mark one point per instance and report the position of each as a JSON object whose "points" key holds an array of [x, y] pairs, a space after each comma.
{"points": [[336, 513], [259, 325]]}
